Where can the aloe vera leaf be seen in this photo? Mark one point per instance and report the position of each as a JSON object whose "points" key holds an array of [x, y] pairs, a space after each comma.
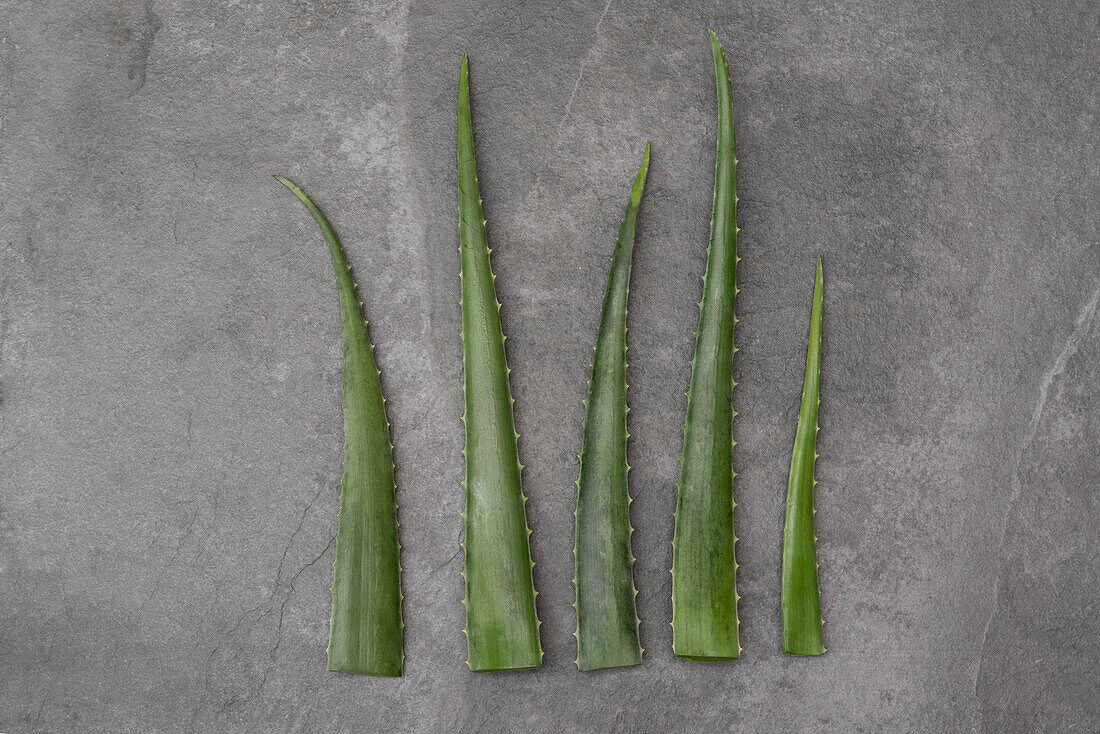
{"points": [[704, 587], [802, 619], [502, 625], [366, 627], [607, 620]]}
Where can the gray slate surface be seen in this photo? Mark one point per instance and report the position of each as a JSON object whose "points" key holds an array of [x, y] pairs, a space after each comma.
{"points": [[169, 352]]}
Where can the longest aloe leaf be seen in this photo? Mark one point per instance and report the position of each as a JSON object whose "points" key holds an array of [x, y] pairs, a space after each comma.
{"points": [[607, 622], [366, 627], [502, 627], [704, 588], [801, 597]]}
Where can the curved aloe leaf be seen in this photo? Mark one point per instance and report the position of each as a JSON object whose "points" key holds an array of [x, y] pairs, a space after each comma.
{"points": [[607, 622], [704, 587], [802, 620], [366, 627], [502, 626]]}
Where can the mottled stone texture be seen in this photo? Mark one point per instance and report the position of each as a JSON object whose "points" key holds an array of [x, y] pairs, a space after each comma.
{"points": [[169, 350]]}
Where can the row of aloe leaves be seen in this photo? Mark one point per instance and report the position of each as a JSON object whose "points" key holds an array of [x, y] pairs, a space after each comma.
{"points": [[502, 625]]}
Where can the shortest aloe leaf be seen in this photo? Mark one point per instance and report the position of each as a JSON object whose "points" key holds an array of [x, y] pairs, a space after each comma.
{"points": [[366, 627], [802, 622]]}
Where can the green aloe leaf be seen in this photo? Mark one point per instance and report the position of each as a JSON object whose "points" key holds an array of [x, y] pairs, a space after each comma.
{"points": [[704, 587], [502, 626], [802, 620], [607, 622], [366, 627]]}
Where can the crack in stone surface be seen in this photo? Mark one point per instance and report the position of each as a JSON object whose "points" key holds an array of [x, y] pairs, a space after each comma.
{"points": [[588, 59], [1082, 326]]}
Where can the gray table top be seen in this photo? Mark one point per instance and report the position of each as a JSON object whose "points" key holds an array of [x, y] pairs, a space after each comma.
{"points": [[170, 429]]}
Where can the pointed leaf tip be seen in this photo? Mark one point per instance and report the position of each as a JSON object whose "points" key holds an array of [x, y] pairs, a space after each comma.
{"points": [[639, 181], [464, 79]]}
